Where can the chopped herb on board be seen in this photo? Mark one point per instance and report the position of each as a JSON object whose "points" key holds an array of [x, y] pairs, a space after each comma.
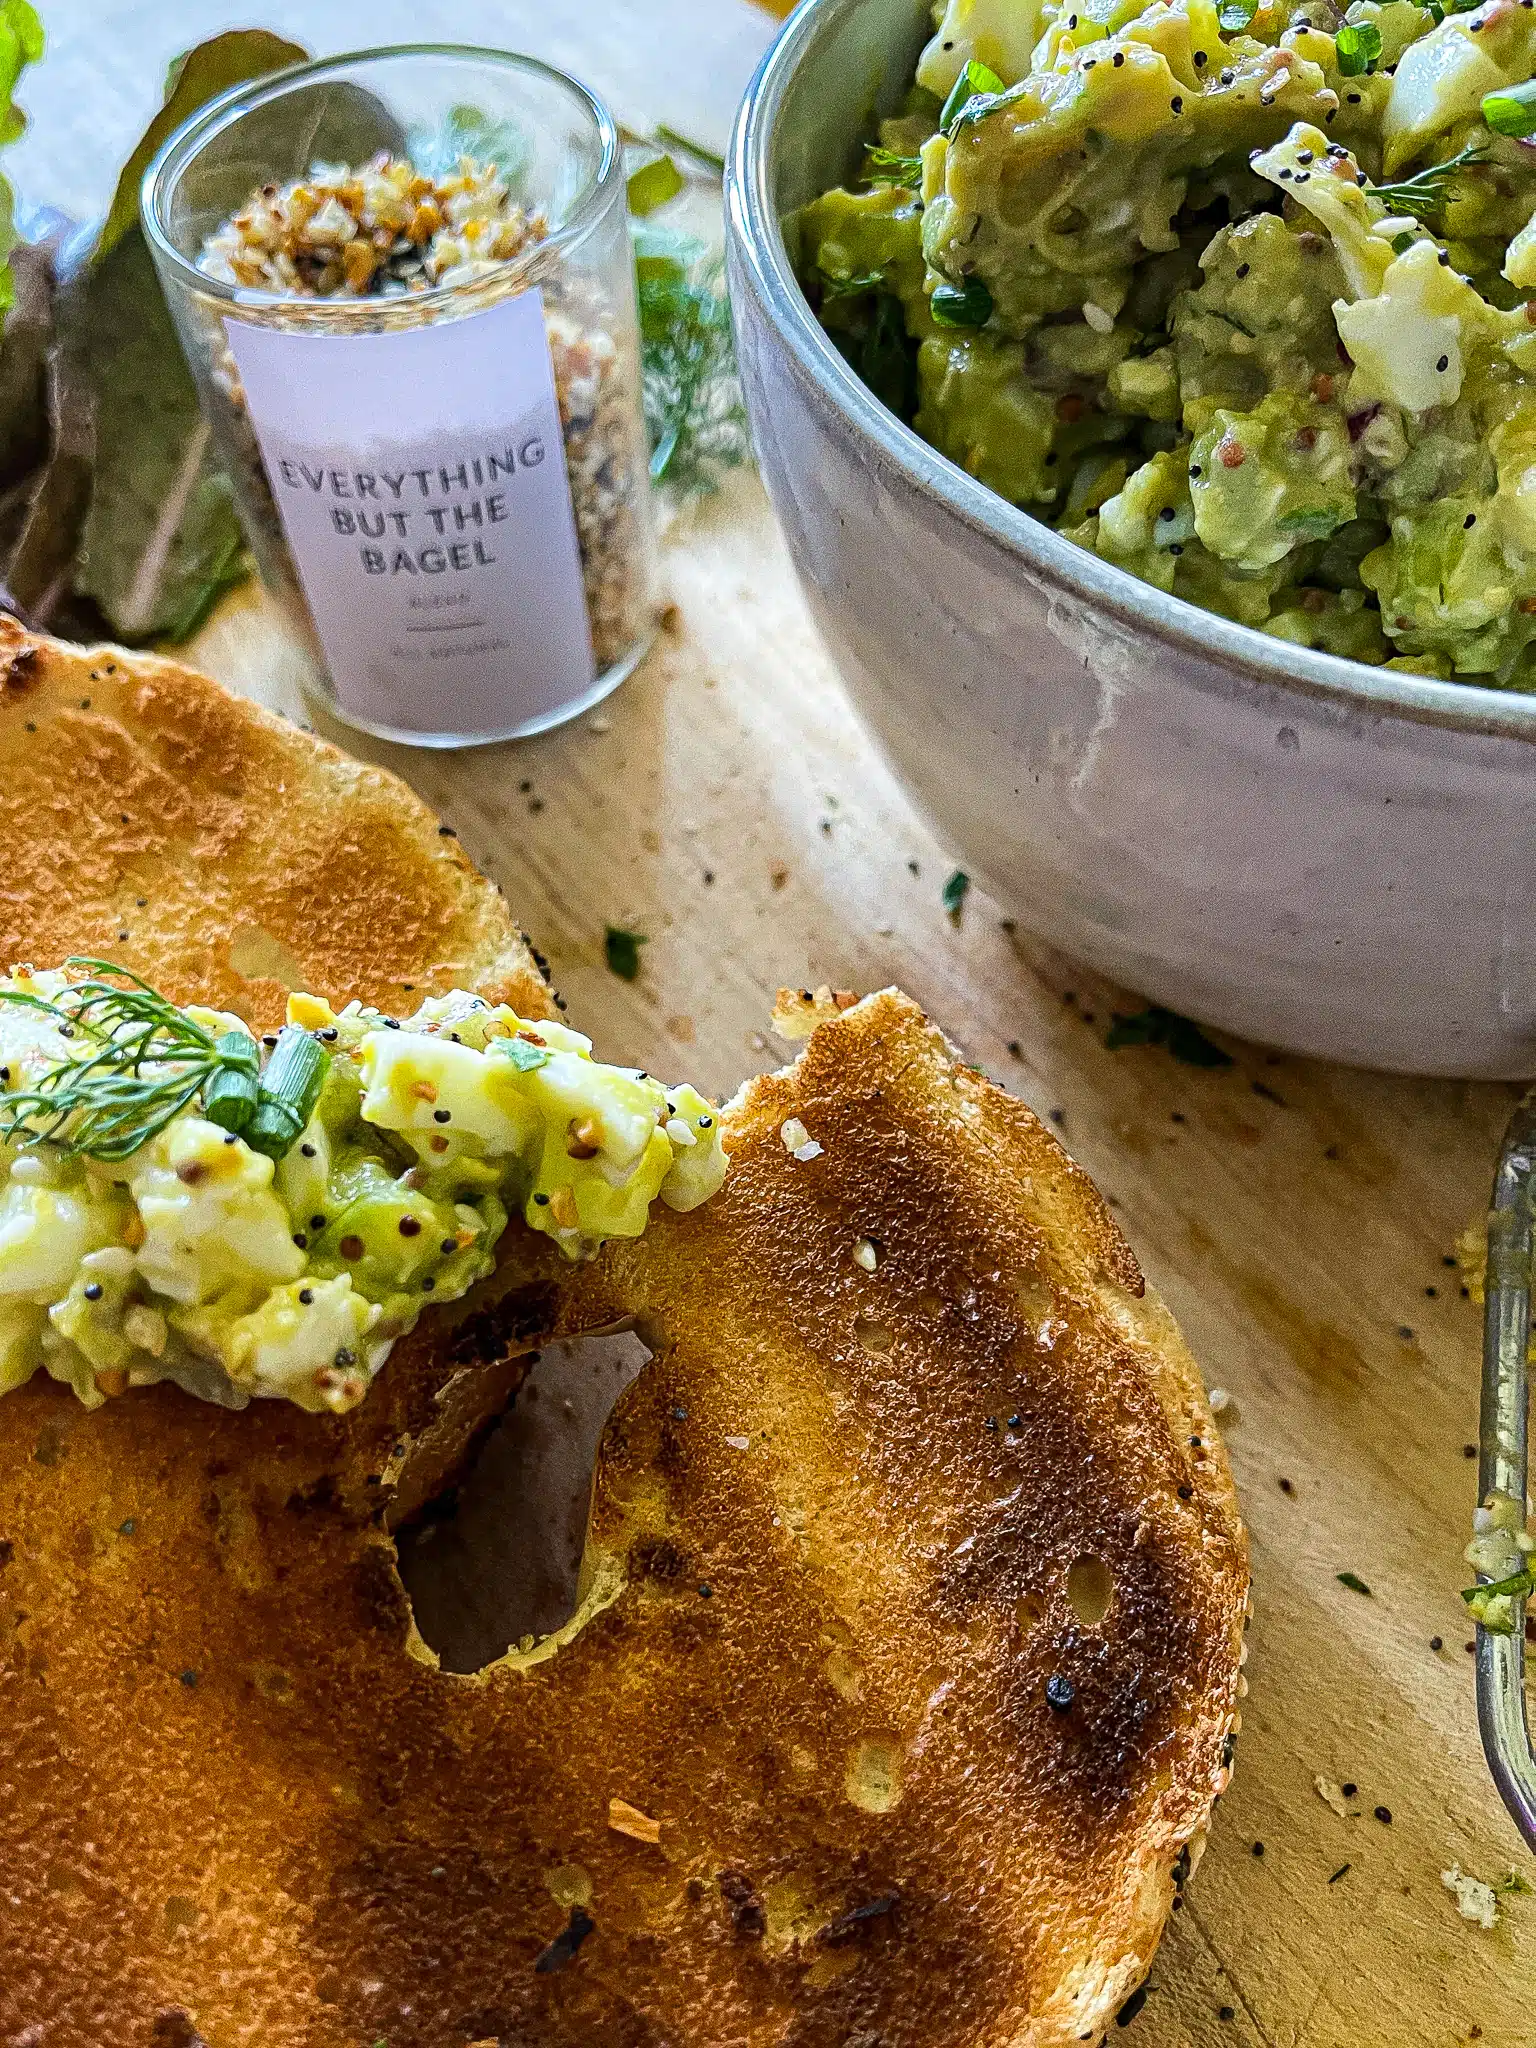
{"points": [[621, 949], [1355, 1583], [1157, 1026], [954, 893]]}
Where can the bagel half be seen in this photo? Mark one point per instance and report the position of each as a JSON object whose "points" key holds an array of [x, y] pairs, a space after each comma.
{"points": [[836, 1748]]}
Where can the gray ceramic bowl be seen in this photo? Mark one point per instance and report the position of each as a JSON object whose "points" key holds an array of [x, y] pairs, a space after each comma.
{"points": [[1326, 857]]}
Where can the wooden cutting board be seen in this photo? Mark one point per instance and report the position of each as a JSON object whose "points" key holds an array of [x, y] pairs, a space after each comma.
{"points": [[1298, 1217]]}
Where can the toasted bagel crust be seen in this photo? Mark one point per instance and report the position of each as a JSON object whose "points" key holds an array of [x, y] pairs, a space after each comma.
{"points": [[827, 1578], [827, 1586], [151, 818]]}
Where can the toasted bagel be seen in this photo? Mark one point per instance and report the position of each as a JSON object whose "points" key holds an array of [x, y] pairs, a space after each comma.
{"points": [[833, 1751], [150, 817]]}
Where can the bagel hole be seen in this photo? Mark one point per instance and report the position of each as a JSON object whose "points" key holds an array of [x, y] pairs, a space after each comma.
{"points": [[494, 1558], [1090, 1588], [877, 1338]]}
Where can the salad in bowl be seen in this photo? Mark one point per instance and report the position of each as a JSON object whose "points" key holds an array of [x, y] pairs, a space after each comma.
{"points": [[1241, 299]]}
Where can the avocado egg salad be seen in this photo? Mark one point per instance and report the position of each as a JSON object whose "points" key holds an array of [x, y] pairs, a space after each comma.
{"points": [[182, 1201], [1236, 298]]}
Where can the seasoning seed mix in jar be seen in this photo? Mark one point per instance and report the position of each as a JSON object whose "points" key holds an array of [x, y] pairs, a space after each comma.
{"points": [[404, 285]]}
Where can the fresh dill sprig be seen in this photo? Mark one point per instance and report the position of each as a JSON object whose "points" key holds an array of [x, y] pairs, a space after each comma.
{"points": [[890, 167], [141, 1062], [694, 412], [1424, 193]]}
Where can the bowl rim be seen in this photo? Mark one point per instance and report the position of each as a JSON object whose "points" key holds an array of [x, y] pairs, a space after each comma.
{"points": [[755, 229]]}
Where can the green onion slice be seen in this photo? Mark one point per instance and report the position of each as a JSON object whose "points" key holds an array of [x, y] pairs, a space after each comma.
{"points": [[976, 81], [1512, 110], [231, 1093], [961, 305], [1357, 47], [289, 1090]]}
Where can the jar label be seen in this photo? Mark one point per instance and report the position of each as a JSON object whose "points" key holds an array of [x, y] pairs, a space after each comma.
{"points": [[420, 477]]}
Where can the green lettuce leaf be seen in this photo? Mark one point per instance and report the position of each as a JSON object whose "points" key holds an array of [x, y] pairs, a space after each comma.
{"points": [[194, 79]]}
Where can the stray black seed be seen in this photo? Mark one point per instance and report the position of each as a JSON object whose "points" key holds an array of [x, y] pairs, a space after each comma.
{"points": [[1132, 2006], [307, 1150], [94, 1291], [1349, 1791], [442, 1116], [1437, 1642], [1342, 1871], [344, 1357], [561, 1952], [1384, 1815], [1258, 1848], [706, 1592], [301, 1240], [1471, 518], [317, 1223], [306, 1295], [1060, 1692], [449, 1246]]}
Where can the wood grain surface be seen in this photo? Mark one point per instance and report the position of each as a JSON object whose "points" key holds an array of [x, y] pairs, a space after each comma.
{"points": [[1298, 1217]]}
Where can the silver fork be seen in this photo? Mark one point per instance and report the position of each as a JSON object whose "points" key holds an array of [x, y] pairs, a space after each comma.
{"points": [[1501, 1705]]}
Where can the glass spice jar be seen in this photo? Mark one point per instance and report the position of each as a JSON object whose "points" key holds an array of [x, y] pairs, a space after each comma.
{"points": [[404, 285]]}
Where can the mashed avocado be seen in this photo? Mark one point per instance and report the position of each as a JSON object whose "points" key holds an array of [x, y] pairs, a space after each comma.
{"points": [[1235, 298], [237, 1265]]}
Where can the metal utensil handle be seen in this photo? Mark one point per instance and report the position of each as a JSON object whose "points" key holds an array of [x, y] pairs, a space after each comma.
{"points": [[1501, 1709]]}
